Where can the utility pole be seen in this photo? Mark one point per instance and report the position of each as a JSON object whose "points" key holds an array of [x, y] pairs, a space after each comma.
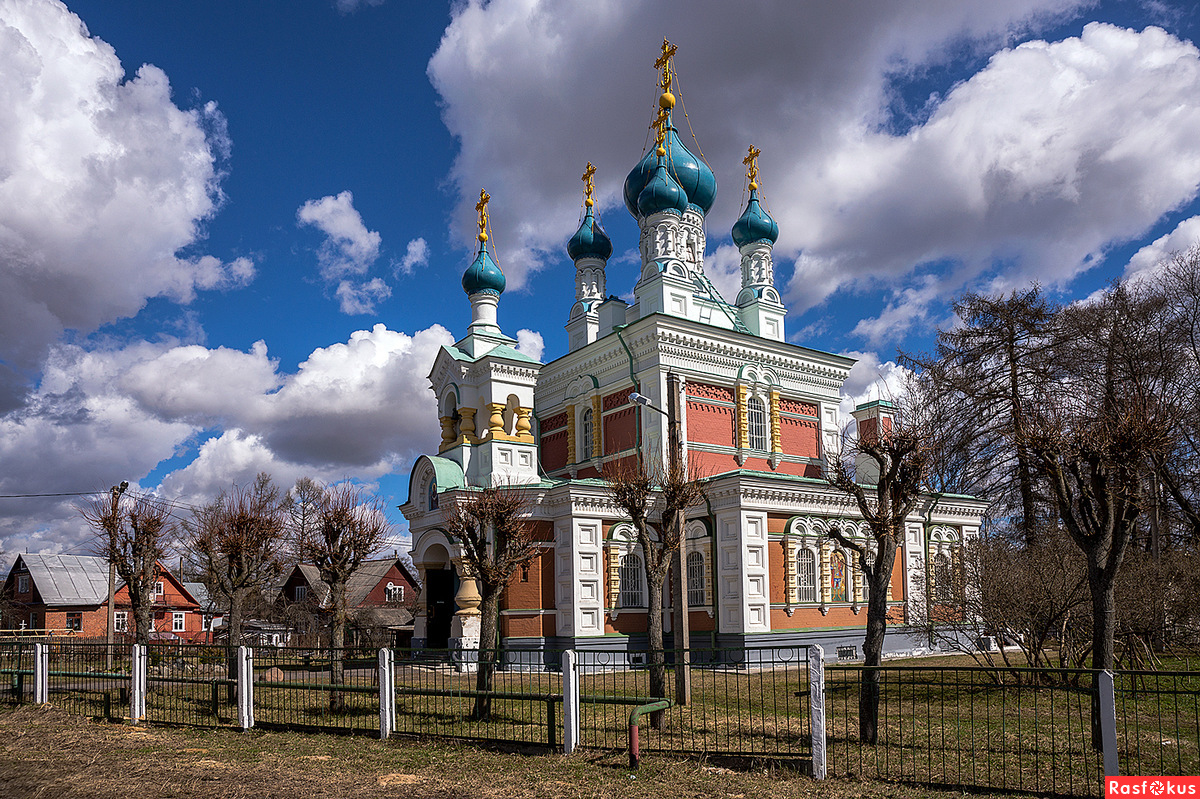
{"points": [[117, 491], [682, 635]]}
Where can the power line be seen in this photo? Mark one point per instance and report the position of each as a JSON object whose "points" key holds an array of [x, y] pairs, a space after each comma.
{"points": [[63, 494]]}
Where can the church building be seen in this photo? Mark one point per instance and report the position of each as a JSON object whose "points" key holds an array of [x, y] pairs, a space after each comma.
{"points": [[759, 420]]}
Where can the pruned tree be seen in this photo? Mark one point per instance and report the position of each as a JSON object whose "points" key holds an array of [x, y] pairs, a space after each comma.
{"points": [[340, 529], [493, 530], [899, 455], [1095, 432], [236, 543], [132, 534], [656, 509]]}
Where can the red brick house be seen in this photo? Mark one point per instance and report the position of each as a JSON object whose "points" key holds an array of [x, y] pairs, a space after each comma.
{"points": [[380, 593], [68, 595]]}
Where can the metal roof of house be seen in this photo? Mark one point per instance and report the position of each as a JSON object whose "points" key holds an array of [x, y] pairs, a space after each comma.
{"points": [[361, 582], [63, 580]]}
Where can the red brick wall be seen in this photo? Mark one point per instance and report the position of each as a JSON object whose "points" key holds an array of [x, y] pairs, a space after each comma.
{"points": [[710, 424], [799, 437], [554, 451], [620, 430], [378, 595]]}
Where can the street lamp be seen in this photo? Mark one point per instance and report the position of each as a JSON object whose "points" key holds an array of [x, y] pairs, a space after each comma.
{"points": [[683, 672]]}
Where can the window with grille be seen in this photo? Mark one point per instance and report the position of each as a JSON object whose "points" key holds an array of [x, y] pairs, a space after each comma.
{"points": [[393, 593], [695, 579], [631, 581], [121, 621], [586, 426], [756, 421], [943, 579], [300, 592], [806, 576], [868, 558]]}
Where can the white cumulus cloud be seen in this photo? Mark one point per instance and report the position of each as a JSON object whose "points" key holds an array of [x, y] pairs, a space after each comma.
{"points": [[103, 181], [415, 255]]}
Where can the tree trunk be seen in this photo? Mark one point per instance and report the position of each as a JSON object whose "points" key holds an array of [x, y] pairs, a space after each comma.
{"points": [[877, 609], [235, 640], [143, 617], [337, 654], [654, 641], [1104, 617], [489, 610]]}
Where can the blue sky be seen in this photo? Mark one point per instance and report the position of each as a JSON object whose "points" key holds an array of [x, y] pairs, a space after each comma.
{"points": [[232, 233]]}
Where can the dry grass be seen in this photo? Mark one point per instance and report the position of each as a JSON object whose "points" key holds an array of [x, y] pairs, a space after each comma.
{"points": [[48, 753]]}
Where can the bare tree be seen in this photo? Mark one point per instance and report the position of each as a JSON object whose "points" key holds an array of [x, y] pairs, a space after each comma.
{"points": [[493, 530], [656, 509], [236, 542], [901, 454], [342, 530], [132, 534], [989, 368]]}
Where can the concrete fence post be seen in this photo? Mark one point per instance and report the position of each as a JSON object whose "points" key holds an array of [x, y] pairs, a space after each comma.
{"points": [[570, 689], [1108, 723], [816, 703], [137, 684], [41, 673], [387, 693], [245, 687]]}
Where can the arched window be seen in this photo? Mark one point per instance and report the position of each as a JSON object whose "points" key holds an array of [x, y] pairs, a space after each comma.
{"points": [[695, 579], [393, 593], [943, 579], [756, 422], [584, 450], [806, 576], [631, 581], [839, 588]]}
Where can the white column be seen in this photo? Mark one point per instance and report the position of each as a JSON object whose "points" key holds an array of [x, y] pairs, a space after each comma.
{"points": [[1108, 723], [570, 687], [137, 685], [41, 673], [816, 704], [245, 678], [387, 693]]}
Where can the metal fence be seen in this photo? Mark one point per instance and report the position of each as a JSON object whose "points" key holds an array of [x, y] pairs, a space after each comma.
{"points": [[749, 702], [1023, 730], [1158, 722], [190, 684], [297, 687], [16, 671], [89, 679]]}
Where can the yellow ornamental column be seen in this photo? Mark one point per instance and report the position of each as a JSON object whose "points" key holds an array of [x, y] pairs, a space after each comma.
{"points": [[571, 454], [742, 430], [597, 442], [826, 577], [447, 432], [496, 422], [789, 572], [467, 427], [614, 579], [523, 428], [776, 433]]}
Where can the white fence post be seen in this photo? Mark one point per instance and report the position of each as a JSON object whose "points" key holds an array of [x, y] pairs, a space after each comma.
{"points": [[41, 673], [245, 692], [387, 693], [1108, 723], [570, 689], [137, 685], [816, 704]]}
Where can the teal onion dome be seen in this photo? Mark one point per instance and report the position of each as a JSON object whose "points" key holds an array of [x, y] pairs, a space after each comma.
{"points": [[483, 275], [693, 175], [590, 241], [754, 224], [661, 193]]}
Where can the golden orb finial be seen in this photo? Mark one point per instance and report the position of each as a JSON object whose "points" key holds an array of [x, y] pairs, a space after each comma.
{"points": [[481, 207], [666, 99]]}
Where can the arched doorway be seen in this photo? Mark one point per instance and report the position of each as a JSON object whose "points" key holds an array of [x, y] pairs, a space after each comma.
{"points": [[441, 584]]}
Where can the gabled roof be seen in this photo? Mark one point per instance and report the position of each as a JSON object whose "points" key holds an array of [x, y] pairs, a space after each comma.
{"points": [[368, 575], [67, 580]]}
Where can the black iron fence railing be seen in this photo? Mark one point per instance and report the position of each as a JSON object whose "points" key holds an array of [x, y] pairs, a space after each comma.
{"points": [[1158, 722]]}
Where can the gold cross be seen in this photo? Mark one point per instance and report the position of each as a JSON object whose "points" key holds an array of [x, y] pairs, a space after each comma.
{"points": [[751, 161], [664, 63], [589, 185], [481, 207]]}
